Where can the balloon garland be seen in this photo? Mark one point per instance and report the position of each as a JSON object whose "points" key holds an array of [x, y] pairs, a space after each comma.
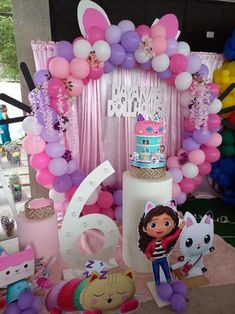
{"points": [[103, 47]]}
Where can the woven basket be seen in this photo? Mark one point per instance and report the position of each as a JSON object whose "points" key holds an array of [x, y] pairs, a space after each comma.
{"points": [[142, 173], [40, 212]]}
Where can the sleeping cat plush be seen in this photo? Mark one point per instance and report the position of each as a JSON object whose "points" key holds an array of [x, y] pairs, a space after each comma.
{"points": [[96, 294], [196, 240]]}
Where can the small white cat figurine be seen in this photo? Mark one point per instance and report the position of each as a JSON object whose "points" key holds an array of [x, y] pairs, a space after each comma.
{"points": [[196, 240]]}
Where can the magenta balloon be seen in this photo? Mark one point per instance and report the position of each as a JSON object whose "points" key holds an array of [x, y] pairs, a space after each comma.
{"points": [[214, 121], [189, 144], [50, 137], [41, 77], [178, 63], [129, 62], [41, 116], [204, 168], [56, 86], [130, 41], [143, 30], [77, 177], [187, 185], [55, 149], [44, 177], [201, 136], [64, 49], [118, 54], [113, 34], [212, 153], [62, 184], [40, 161]]}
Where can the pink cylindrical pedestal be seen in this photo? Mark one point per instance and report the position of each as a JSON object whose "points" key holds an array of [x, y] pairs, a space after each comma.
{"points": [[41, 234]]}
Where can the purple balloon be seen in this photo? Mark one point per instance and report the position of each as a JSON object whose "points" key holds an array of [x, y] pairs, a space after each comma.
{"points": [[194, 63], [172, 47], [58, 166], [51, 137], [189, 144], [118, 54], [117, 197], [25, 300], [29, 311], [113, 34], [72, 166], [37, 303], [203, 72], [64, 49], [55, 149], [108, 67], [180, 287], [147, 65], [164, 291], [177, 175], [77, 177], [41, 77], [129, 62], [178, 303], [12, 308], [130, 41], [40, 115], [126, 25], [201, 136], [118, 213], [181, 198], [187, 133], [62, 183], [165, 74]]}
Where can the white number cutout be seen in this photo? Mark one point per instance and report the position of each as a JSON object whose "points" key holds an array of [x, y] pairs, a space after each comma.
{"points": [[74, 225]]}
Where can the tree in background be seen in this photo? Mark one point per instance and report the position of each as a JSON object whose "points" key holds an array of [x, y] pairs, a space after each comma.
{"points": [[8, 61]]}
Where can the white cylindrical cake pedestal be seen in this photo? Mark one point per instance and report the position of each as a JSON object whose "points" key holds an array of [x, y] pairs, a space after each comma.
{"points": [[136, 192]]}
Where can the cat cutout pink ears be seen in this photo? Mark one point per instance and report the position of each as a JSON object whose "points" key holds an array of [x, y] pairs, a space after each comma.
{"points": [[149, 205]]}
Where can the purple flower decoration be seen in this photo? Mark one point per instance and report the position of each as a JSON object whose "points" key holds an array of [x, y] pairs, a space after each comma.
{"points": [[140, 117], [61, 125], [67, 155], [183, 158], [108, 188]]}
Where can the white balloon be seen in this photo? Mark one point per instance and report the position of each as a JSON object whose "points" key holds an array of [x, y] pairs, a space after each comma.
{"points": [[93, 198], [189, 170], [102, 50], [56, 196], [183, 81], [185, 98], [81, 48], [161, 62], [141, 56], [31, 126], [215, 106], [184, 48]]}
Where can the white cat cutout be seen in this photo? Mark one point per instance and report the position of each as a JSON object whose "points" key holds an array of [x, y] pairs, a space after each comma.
{"points": [[196, 241]]}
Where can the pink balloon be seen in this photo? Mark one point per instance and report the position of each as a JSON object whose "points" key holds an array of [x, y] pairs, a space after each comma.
{"points": [[91, 209], [212, 153], [159, 45], [79, 68], [157, 31], [44, 177], [189, 125], [40, 161], [187, 185], [105, 199], [59, 67], [198, 179], [178, 63], [171, 24], [75, 86], [70, 193], [173, 162], [86, 81], [143, 30], [56, 87], [196, 156], [96, 73], [175, 190], [94, 34], [213, 121], [214, 89], [215, 140], [55, 105], [48, 62], [204, 168], [33, 144], [108, 212], [171, 80]]}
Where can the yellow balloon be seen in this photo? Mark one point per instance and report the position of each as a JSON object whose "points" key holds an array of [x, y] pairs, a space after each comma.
{"points": [[231, 68], [228, 101]]}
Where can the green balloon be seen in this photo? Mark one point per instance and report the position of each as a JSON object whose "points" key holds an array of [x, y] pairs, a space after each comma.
{"points": [[227, 150], [228, 136]]}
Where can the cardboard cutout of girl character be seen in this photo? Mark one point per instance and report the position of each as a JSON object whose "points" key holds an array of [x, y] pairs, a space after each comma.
{"points": [[158, 233]]}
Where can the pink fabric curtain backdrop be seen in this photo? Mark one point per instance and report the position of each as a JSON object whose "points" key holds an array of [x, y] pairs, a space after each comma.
{"points": [[99, 137]]}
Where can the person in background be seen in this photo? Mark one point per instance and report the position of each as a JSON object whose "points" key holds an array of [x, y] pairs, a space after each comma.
{"points": [[4, 128]]}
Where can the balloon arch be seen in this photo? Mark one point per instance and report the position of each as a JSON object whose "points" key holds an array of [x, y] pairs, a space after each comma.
{"points": [[103, 47]]}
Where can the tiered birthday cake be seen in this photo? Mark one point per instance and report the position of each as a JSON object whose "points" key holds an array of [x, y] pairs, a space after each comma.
{"points": [[148, 161]]}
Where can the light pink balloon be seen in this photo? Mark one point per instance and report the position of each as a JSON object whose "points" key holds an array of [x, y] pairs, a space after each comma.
{"points": [[175, 190], [143, 30], [157, 31], [198, 179], [59, 67], [79, 68], [33, 144], [215, 140], [44, 177], [74, 86], [173, 162], [204, 168], [196, 156], [189, 125], [159, 45]]}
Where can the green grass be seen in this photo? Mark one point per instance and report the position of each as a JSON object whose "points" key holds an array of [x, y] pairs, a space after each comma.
{"points": [[222, 212]]}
